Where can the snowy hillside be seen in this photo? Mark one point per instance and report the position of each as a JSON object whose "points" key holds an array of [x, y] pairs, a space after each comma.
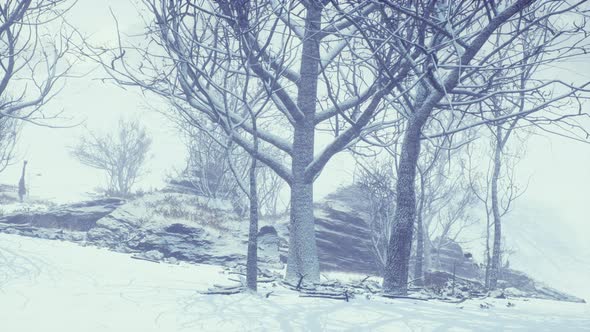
{"points": [[59, 286], [561, 260]]}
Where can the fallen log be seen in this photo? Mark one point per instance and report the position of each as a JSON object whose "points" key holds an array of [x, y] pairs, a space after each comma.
{"points": [[294, 287], [404, 297], [455, 301], [325, 296], [145, 259], [223, 290], [259, 280]]}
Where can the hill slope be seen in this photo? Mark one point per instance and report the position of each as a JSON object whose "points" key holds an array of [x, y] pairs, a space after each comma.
{"points": [[60, 286]]}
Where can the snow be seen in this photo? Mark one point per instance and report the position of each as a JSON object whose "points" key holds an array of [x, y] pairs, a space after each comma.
{"points": [[59, 286], [22, 207]]}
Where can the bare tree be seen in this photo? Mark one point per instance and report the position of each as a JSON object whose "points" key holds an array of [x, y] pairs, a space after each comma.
{"points": [[208, 167], [310, 59], [443, 200], [497, 189], [32, 63], [445, 215], [500, 190], [376, 180], [32, 60], [33, 51], [454, 49], [251, 192], [121, 155], [209, 170]]}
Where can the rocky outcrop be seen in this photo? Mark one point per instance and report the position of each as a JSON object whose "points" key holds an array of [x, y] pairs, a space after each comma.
{"points": [[343, 241], [268, 245], [519, 284], [184, 186], [73, 217], [342, 234], [173, 227], [448, 256], [127, 229], [8, 194], [184, 243]]}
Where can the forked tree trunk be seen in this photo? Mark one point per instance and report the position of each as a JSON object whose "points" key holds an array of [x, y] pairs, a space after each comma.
{"points": [[303, 258]]}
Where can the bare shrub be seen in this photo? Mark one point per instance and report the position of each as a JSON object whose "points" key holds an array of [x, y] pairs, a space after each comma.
{"points": [[121, 155], [209, 171], [376, 180]]}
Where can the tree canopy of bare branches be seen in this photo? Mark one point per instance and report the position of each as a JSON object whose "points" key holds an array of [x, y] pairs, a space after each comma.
{"points": [[32, 59], [32, 64], [8, 130], [209, 170], [347, 71], [303, 67]]}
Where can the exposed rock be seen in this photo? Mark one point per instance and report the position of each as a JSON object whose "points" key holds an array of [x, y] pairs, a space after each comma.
{"points": [[201, 232], [268, 245], [267, 230], [184, 186], [343, 241], [115, 229], [344, 245], [192, 247], [497, 294], [180, 229], [152, 255], [43, 233], [516, 282], [448, 256], [74, 217], [8, 194], [444, 283], [127, 229], [511, 291]]}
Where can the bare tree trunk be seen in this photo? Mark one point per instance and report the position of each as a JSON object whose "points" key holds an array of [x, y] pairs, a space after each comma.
{"points": [[488, 256], [419, 265], [395, 279], [252, 260], [495, 266], [303, 258]]}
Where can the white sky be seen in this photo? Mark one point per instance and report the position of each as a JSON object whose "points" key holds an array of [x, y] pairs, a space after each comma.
{"points": [[552, 217]]}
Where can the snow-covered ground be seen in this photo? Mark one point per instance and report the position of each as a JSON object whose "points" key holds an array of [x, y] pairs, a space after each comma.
{"points": [[57, 286]]}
